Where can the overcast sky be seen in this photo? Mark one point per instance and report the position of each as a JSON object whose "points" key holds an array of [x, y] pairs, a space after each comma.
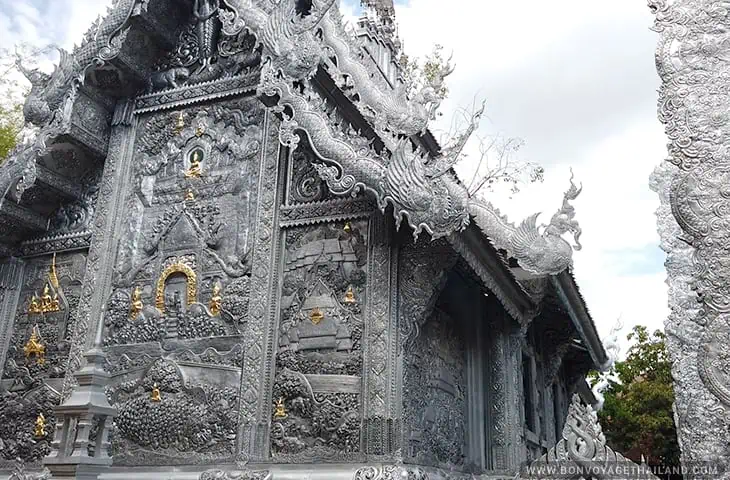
{"points": [[575, 79]]}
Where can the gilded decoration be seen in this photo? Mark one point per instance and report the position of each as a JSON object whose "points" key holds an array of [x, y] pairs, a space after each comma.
{"points": [[48, 301], [216, 300], [36, 358], [136, 304], [195, 159], [39, 429], [35, 348], [192, 284]]}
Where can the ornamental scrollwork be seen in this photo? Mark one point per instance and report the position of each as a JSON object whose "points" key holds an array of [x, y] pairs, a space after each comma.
{"points": [[694, 215], [423, 191], [582, 446]]}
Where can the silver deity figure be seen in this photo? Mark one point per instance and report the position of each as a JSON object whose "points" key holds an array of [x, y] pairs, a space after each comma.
{"points": [[207, 28]]}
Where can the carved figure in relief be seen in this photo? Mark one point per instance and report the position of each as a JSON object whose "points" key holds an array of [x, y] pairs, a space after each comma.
{"points": [[195, 170], [46, 299], [39, 431], [216, 300], [155, 395], [350, 296], [35, 304], [166, 79], [137, 305], [280, 410], [207, 29]]}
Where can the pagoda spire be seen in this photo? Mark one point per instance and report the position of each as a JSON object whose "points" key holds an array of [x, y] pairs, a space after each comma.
{"points": [[384, 8], [379, 32]]}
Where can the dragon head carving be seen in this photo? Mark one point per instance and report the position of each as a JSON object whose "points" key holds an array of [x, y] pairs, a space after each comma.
{"points": [[563, 221]]}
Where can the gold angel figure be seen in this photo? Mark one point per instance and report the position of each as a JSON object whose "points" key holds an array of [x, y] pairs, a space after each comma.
{"points": [[137, 305], [216, 301], [40, 426], [155, 395]]}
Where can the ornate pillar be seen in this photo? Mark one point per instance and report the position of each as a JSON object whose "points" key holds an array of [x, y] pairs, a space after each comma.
{"points": [[258, 361], [503, 390], [11, 278], [102, 253], [379, 380]]}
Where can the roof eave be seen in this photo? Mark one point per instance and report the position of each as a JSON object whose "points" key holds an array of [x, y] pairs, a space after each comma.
{"points": [[567, 291]]}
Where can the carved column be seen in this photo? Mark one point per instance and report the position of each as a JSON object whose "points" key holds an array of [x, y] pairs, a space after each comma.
{"points": [[502, 385], [107, 218], [379, 380], [11, 277], [258, 361]]}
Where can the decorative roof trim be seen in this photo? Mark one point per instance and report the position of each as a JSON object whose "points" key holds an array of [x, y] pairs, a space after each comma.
{"points": [[583, 452]]}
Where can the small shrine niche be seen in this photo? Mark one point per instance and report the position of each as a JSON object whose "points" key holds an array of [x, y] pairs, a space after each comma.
{"points": [[194, 161], [176, 288]]}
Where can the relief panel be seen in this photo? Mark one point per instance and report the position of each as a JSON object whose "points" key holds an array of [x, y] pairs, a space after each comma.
{"points": [[175, 318], [37, 356], [434, 398], [317, 392]]}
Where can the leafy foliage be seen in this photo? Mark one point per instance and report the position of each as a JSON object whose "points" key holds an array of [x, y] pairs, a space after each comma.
{"points": [[11, 123], [496, 161], [637, 417], [417, 74], [13, 90]]}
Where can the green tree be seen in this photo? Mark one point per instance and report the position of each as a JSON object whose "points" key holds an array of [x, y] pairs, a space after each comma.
{"points": [[13, 90], [11, 123], [637, 416]]}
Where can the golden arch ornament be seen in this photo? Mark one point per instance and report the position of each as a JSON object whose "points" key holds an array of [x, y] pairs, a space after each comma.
{"points": [[192, 284]]}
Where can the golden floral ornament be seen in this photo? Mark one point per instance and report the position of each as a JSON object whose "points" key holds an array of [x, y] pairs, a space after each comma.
{"points": [[192, 284], [39, 430], [35, 347]]}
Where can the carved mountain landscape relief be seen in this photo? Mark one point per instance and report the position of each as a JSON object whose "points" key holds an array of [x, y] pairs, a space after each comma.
{"points": [[317, 392]]}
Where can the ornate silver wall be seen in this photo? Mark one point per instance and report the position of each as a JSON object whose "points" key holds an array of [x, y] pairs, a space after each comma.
{"points": [[693, 61]]}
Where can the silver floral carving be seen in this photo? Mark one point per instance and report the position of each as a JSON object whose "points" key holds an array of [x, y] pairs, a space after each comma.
{"points": [[694, 215], [582, 448]]}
